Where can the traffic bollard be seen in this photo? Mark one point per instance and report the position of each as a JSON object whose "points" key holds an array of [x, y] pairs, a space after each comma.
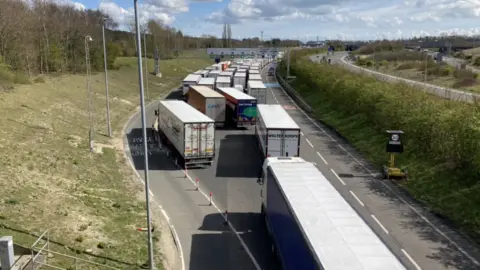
{"points": [[210, 199], [226, 217], [197, 184]]}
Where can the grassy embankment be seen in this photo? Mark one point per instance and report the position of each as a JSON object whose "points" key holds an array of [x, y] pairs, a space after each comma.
{"points": [[442, 138], [48, 178], [412, 65]]}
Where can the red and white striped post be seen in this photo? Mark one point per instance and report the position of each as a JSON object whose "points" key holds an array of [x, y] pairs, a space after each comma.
{"points": [[197, 183]]}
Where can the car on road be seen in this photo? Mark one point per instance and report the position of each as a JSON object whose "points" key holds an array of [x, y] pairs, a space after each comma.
{"points": [[271, 71]]}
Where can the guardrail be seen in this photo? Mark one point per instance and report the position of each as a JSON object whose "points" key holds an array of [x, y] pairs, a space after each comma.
{"points": [[447, 93], [292, 93]]}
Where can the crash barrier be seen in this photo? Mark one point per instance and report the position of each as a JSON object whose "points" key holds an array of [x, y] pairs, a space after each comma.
{"points": [[446, 93], [292, 93]]}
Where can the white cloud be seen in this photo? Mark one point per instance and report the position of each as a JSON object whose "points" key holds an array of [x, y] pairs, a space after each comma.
{"points": [[156, 10]]}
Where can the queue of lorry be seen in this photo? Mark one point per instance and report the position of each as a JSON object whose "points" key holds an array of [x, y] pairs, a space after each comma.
{"points": [[309, 222]]}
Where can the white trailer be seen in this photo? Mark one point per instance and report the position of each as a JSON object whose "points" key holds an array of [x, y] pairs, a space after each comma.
{"points": [[254, 71], [277, 134], [208, 102], [208, 82], [240, 79], [223, 81], [231, 69], [226, 74], [191, 79], [254, 77], [202, 72], [213, 73], [258, 90], [190, 132], [312, 225], [242, 70]]}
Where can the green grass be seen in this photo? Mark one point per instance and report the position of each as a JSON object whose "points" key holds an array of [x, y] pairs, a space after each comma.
{"points": [[442, 149], [49, 180]]}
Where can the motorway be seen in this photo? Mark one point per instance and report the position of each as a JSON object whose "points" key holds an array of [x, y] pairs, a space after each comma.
{"points": [[419, 239]]}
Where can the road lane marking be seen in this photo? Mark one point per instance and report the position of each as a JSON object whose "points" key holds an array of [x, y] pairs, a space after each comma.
{"points": [[311, 145], [239, 237], [379, 224], [338, 177], [415, 210], [324, 161], [301, 133], [356, 198], [411, 259]]}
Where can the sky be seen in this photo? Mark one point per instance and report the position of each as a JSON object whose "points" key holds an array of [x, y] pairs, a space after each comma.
{"points": [[302, 19]]}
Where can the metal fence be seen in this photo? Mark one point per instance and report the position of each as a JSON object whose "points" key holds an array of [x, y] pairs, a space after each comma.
{"points": [[41, 247], [292, 93]]}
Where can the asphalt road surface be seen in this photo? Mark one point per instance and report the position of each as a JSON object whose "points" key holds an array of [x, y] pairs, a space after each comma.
{"points": [[419, 239]]}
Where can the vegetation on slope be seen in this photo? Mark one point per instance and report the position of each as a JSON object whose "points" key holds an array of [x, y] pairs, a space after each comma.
{"points": [[442, 138], [413, 64]]}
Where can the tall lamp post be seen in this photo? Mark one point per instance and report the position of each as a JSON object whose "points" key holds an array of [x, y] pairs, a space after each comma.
{"points": [[109, 127], [89, 89], [144, 131]]}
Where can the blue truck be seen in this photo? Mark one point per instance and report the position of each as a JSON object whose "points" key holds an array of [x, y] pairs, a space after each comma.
{"points": [[312, 226], [241, 109]]}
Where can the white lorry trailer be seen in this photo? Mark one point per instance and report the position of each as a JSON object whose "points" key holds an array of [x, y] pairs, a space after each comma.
{"points": [[213, 73], [277, 134], [223, 81], [254, 71], [202, 72], [208, 82], [311, 224], [254, 77], [257, 90], [189, 132], [240, 79], [191, 79], [208, 102]]}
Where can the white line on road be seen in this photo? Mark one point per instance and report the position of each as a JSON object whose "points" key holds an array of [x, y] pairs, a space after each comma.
{"points": [[379, 224], [411, 259], [415, 210], [249, 253], [338, 177], [311, 145], [356, 198], [324, 161], [301, 133]]}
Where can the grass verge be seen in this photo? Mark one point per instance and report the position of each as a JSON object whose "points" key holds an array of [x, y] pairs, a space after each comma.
{"points": [[413, 65], [442, 149], [49, 180]]}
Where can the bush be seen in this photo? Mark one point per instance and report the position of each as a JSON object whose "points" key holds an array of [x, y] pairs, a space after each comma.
{"points": [[461, 74], [476, 62], [465, 82], [408, 65], [379, 46], [442, 147], [400, 56]]}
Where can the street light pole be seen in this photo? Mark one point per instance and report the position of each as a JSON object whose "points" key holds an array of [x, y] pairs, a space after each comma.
{"points": [[144, 131], [109, 127], [89, 90], [146, 62]]}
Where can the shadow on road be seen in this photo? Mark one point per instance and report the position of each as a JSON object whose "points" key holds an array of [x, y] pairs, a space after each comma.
{"points": [[177, 94], [219, 248], [158, 159], [238, 152]]}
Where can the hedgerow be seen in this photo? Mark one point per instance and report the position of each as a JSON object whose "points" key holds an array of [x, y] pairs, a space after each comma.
{"points": [[442, 138]]}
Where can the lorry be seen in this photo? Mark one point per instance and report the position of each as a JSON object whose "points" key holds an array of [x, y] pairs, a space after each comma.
{"points": [[191, 79], [208, 82], [254, 77], [226, 74], [310, 223], [202, 72], [208, 102], [240, 79], [213, 73], [254, 71], [277, 134], [241, 108], [189, 133], [257, 90], [223, 81]]}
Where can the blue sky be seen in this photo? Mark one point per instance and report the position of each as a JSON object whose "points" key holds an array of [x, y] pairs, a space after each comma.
{"points": [[304, 19]]}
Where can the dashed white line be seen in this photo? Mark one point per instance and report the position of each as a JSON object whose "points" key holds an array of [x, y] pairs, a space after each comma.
{"points": [[249, 253], [411, 259], [309, 143], [459, 248], [356, 198], [338, 177], [379, 224], [301, 133], [324, 161]]}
